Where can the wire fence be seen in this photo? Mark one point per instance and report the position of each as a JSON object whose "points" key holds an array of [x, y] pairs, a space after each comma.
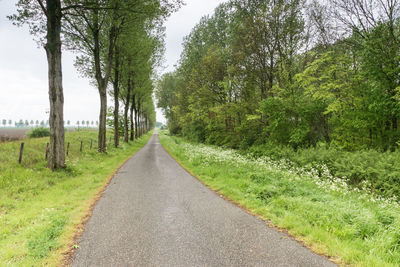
{"points": [[90, 145]]}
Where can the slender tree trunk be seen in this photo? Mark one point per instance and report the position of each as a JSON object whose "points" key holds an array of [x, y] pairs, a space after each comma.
{"points": [[56, 158], [102, 146], [142, 124], [116, 98], [139, 125], [127, 105], [132, 122], [139, 119], [102, 82], [136, 119]]}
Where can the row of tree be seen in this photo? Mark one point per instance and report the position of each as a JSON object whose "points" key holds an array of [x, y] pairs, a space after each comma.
{"points": [[116, 41], [27, 123], [294, 72]]}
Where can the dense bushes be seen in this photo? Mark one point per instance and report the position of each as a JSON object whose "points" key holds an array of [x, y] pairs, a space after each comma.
{"points": [[39, 132], [379, 172]]}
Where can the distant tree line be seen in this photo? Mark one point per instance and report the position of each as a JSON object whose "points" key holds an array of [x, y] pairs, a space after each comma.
{"points": [[291, 72], [27, 123], [118, 42]]}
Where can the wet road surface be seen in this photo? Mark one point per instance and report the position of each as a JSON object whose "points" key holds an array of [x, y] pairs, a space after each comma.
{"points": [[154, 213]]}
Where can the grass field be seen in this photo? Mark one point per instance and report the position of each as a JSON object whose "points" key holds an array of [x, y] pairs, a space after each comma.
{"points": [[40, 211], [351, 226]]}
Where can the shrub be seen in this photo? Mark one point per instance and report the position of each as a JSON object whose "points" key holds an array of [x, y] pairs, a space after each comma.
{"points": [[39, 132]]}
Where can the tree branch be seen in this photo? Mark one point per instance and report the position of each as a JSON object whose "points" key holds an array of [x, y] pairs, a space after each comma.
{"points": [[80, 34], [40, 2]]}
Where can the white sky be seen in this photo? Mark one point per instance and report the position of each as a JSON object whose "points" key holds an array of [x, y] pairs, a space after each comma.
{"points": [[23, 68]]}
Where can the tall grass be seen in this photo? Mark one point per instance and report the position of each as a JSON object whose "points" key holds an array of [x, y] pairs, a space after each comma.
{"points": [[40, 209], [350, 225]]}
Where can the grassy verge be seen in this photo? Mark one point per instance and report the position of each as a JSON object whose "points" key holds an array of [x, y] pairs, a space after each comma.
{"points": [[41, 210], [351, 226]]}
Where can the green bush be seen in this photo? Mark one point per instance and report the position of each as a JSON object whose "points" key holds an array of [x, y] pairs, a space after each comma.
{"points": [[39, 132]]}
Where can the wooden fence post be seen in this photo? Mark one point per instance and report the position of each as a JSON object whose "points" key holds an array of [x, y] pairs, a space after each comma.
{"points": [[91, 143], [81, 147], [21, 150], [47, 150], [67, 148]]}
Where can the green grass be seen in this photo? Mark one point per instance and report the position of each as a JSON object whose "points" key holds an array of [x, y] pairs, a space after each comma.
{"points": [[346, 225], [40, 210]]}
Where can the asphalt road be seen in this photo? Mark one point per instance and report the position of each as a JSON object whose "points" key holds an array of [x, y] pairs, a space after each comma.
{"points": [[156, 214]]}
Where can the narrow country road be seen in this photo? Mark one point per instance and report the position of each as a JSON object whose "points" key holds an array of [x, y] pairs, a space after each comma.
{"points": [[155, 214]]}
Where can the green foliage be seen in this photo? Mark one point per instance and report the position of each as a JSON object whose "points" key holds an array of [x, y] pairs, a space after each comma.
{"points": [[253, 73], [110, 120], [39, 132]]}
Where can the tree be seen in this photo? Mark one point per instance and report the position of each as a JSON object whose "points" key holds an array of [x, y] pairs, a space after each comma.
{"points": [[288, 73], [10, 122], [4, 123], [166, 91], [371, 28], [37, 14], [94, 31], [116, 85], [132, 71]]}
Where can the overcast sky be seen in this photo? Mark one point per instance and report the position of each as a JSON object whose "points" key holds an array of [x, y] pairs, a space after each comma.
{"points": [[23, 67]]}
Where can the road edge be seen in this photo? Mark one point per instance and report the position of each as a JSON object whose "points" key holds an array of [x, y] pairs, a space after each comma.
{"points": [[68, 253]]}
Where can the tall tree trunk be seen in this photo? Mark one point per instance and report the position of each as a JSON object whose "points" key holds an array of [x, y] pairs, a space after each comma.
{"points": [[56, 157], [102, 146], [127, 105], [102, 82], [132, 122], [136, 121], [139, 119], [143, 125], [116, 100]]}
